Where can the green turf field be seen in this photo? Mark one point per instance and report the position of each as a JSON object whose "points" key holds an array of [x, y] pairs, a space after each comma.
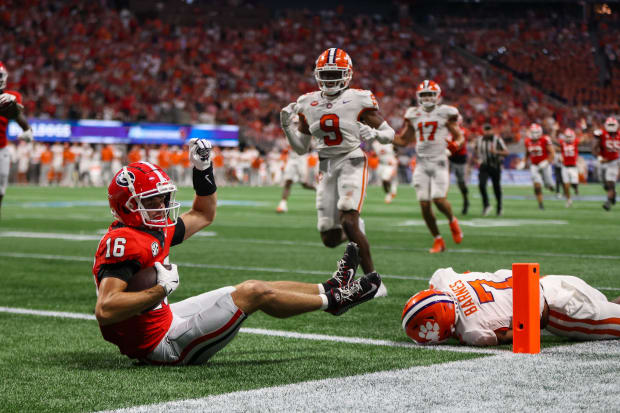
{"points": [[48, 237]]}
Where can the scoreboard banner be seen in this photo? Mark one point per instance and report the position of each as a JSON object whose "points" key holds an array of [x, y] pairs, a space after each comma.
{"points": [[106, 131]]}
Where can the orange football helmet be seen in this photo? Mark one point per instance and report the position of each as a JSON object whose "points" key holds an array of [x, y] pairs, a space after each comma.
{"points": [[535, 131], [611, 124], [428, 93], [430, 317], [333, 71]]}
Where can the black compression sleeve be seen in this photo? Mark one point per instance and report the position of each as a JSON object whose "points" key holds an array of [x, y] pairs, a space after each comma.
{"points": [[204, 182], [179, 233], [123, 270]]}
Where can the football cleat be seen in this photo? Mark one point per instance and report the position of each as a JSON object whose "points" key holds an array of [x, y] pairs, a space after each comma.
{"points": [[486, 210], [282, 207], [430, 317], [355, 293], [347, 266], [439, 245], [457, 234]]}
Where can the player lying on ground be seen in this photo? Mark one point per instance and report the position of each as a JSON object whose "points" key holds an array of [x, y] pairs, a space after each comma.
{"points": [[142, 323], [476, 308]]}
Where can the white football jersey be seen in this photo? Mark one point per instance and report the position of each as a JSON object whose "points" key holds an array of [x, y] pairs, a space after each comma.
{"points": [[385, 152], [485, 302], [432, 135], [334, 122]]}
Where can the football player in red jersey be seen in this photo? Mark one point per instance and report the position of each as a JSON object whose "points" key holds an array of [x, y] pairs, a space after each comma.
{"points": [[8, 97], [569, 148], [142, 323], [539, 153], [607, 150], [458, 163]]}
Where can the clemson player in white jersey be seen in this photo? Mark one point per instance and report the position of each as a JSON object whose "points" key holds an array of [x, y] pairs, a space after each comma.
{"points": [[338, 118], [436, 130], [476, 308], [387, 168]]}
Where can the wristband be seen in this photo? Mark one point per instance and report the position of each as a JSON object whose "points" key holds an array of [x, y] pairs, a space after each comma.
{"points": [[204, 182]]}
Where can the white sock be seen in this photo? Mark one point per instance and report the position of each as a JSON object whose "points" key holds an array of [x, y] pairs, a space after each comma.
{"points": [[321, 289], [438, 237], [324, 305]]}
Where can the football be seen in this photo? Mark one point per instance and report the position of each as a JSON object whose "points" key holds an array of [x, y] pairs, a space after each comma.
{"points": [[144, 279], [10, 110]]}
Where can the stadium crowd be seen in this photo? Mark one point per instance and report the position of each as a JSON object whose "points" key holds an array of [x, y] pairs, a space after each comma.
{"points": [[73, 59]]}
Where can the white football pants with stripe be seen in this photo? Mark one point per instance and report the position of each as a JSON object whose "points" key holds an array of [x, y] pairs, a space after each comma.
{"points": [[579, 311], [201, 326]]}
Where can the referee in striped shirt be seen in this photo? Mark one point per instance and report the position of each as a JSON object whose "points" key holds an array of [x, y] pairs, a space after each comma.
{"points": [[490, 150]]}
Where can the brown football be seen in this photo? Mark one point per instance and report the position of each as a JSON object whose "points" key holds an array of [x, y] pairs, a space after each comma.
{"points": [[144, 279]]}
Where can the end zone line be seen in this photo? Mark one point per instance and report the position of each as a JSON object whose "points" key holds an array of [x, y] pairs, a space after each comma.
{"points": [[279, 333]]}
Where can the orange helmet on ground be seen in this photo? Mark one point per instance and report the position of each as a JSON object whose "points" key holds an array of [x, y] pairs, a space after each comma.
{"points": [[430, 317]]}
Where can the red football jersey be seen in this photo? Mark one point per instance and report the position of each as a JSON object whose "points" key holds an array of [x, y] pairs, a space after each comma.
{"points": [[570, 152], [4, 122], [538, 149], [139, 335], [610, 145]]}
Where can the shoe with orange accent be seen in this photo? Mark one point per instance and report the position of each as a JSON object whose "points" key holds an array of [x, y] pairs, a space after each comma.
{"points": [[457, 234], [388, 198], [282, 207], [439, 245]]}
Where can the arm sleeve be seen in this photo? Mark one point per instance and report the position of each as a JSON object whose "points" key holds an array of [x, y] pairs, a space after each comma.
{"points": [[179, 232], [123, 270]]}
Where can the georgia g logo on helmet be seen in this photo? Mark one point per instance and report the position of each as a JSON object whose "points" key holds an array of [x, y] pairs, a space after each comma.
{"points": [[121, 179]]}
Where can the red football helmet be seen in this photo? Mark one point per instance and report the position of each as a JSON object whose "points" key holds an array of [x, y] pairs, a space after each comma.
{"points": [[333, 71], [611, 124], [4, 75], [132, 185], [569, 135], [535, 131], [428, 93], [430, 317]]}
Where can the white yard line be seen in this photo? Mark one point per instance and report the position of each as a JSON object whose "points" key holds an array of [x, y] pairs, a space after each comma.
{"points": [[226, 267], [276, 333], [580, 377]]}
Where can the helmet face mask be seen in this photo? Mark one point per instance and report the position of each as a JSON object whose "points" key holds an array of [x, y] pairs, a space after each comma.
{"points": [[535, 131], [430, 317], [142, 194], [569, 135], [611, 125], [333, 71], [428, 94]]}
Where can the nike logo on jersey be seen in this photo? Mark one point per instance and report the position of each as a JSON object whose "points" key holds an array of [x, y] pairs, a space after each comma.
{"points": [[345, 101]]}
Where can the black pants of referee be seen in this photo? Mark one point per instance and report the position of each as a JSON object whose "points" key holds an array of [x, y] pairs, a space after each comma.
{"points": [[485, 172]]}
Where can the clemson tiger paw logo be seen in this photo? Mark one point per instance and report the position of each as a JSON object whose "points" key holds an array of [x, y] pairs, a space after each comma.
{"points": [[429, 331]]}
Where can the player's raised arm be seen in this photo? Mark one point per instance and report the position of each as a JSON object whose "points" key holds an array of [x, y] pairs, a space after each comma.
{"points": [[454, 129], [406, 136], [299, 138], [203, 209], [373, 126]]}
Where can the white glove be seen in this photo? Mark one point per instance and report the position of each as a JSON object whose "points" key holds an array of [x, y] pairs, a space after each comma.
{"points": [[366, 132], [543, 164], [287, 114], [26, 135], [169, 279], [7, 98], [200, 153]]}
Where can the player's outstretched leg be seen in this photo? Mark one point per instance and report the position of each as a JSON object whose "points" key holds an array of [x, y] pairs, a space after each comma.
{"points": [[340, 300], [347, 266]]}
